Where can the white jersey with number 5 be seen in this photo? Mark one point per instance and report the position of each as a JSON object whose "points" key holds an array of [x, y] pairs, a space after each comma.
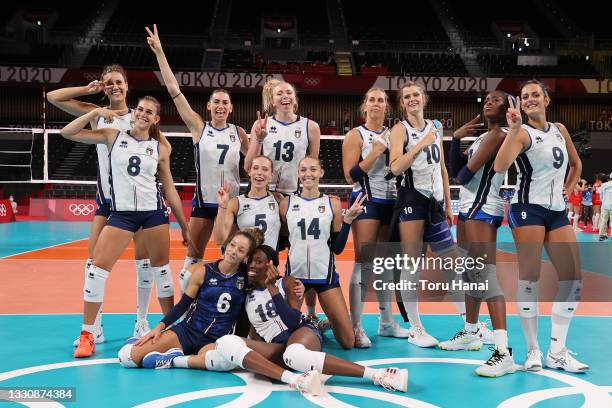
{"points": [[286, 144], [541, 169], [217, 160], [261, 213], [309, 222], [123, 123], [133, 173], [262, 312], [424, 175], [482, 191]]}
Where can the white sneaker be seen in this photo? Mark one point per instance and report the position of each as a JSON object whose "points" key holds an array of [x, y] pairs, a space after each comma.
{"points": [[486, 334], [392, 379], [308, 383], [418, 336], [565, 361], [463, 340], [323, 325], [98, 337], [500, 363], [141, 328], [392, 329], [361, 339], [533, 362]]}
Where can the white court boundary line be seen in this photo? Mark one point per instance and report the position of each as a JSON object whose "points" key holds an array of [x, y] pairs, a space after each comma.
{"points": [[40, 249]]}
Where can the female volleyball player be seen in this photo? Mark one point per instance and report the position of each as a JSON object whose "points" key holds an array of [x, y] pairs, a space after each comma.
{"points": [[286, 138], [365, 160], [542, 152], [317, 231], [481, 214], [113, 83], [290, 340], [423, 205], [218, 291], [137, 160], [217, 147], [257, 208]]}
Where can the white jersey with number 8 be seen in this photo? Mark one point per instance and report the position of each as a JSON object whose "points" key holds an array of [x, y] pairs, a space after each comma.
{"points": [[133, 174]]}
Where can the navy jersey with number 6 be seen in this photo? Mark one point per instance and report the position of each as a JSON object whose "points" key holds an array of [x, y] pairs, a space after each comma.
{"points": [[219, 302]]}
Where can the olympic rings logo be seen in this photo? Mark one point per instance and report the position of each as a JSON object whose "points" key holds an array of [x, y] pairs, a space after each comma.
{"points": [[3, 211], [310, 81], [81, 209]]}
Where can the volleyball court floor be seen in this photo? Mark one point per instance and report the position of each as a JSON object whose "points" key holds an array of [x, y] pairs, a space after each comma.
{"points": [[41, 278]]}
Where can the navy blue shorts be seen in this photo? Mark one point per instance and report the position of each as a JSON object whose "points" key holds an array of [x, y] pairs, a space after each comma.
{"points": [[414, 212], [521, 215], [103, 210], [322, 287], [134, 220], [191, 340], [374, 210], [208, 212], [283, 337], [480, 215]]}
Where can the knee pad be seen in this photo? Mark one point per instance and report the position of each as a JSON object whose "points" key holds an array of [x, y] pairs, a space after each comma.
{"points": [[163, 280], [301, 359], [184, 277], [527, 299], [356, 275], [95, 282], [144, 275], [125, 356], [567, 298], [232, 348], [216, 362], [494, 289]]}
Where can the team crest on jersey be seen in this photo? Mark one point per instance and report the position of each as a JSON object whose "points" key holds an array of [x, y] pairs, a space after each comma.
{"points": [[296, 207], [232, 137], [149, 150], [212, 282], [322, 208], [272, 206], [298, 133], [123, 144], [272, 129], [240, 282]]}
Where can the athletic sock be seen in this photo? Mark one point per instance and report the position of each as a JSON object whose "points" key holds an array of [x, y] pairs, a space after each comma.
{"points": [[181, 361]]}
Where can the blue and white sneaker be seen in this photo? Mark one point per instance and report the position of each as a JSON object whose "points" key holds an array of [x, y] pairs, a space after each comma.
{"points": [[158, 360]]}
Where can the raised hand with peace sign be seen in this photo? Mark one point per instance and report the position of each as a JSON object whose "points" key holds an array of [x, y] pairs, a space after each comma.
{"points": [[355, 209], [513, 116], [261, 127], [469, 129]]}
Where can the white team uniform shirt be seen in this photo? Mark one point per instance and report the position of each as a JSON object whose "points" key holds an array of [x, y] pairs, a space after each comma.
{"points": [[605, 192], [261, 213], [286, 144], [377, 188], [482, 192], [262, 313], [123, 123], [133, 174], [424, 175], [309, 222], [541, 169], [217, 160]]}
